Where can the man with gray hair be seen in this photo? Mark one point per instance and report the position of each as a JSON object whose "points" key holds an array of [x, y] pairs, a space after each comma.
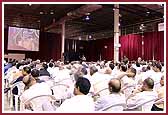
{"points": [[143, 94]]}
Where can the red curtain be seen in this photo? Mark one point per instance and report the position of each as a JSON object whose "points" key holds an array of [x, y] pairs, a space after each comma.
{"points": [[105, 48], [159, 46], [149, 44], [154, 46], [131, 46]]}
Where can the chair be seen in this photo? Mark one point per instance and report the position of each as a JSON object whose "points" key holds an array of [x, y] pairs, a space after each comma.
{"points": [[159, 101], [100, 93], [40, 103], [60, 91], [127, 90], [20, 86], [145, 106], [101, 88], [65, 81], [114, 107]]}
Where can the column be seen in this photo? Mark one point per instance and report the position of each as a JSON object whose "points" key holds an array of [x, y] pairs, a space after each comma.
{"points": [[116, 33], [63, 40]]}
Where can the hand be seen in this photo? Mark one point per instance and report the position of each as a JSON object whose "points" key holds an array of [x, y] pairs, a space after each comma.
{"points": [[29, 106]]}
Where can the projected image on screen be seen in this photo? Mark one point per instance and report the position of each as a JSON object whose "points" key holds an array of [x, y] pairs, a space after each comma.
{"points": [[23, 39]]}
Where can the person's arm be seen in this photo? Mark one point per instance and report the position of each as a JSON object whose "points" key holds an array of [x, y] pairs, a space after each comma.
{"points": [[99, 104], [120, 76]]}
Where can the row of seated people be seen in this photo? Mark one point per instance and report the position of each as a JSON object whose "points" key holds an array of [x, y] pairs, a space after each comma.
{"points": [[89, 86]]}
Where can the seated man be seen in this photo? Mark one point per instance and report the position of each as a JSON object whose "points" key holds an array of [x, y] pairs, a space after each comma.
{"points": [[143, 94], [80, 102], [33, 89], [115, 97], [159, 106]]}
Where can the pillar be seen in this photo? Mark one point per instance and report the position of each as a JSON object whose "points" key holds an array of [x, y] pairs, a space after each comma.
{"points": [[116, 33], [63, 40]]}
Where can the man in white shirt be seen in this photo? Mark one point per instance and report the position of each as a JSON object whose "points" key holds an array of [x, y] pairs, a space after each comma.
{"points": [[157, 75], [34, 89], [80, 102], [115, 97], [159, 105], [142, 95], [50, 69]]}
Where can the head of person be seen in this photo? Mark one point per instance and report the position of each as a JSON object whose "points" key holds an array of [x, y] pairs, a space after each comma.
{"points": [[132, 72], [45, 66], [162, 81], [28, 81], [26, 70], [50, 64], [84, 71], [157, 67], [35, 73], [139, 59], [93, 70], [108, 71], [148, 84], [138, 64], [114, 85], [111, 65], [82, 86], [123, 68]]}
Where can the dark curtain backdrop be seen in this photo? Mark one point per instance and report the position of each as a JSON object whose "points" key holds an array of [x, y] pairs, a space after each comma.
{"points": [[92, 49], [154, 45], [131, 46], [49, 47], [159, 54], [105, 48], [149, 44]]}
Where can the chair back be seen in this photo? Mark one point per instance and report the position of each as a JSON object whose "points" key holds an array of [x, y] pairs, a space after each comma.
{"points": [[60, 91], [145, 106], [40, 103], [114, 107]]}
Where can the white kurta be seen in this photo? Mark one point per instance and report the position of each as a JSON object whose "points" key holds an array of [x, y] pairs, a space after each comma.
{"points": [[36, 90], [79, 104], [142, 97], [110, 100]]}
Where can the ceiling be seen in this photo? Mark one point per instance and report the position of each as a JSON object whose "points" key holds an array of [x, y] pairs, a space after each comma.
{"points": [[48, 17]]}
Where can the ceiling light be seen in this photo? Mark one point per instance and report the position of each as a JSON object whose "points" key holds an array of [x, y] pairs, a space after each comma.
{"points": [[80, 38], [147, 12], [87, 18], [41, 12], [118, 24], [87, 13], [51, 12]]}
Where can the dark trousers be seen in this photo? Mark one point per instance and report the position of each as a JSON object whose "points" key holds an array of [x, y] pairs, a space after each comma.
{"points": [[155, 108]]}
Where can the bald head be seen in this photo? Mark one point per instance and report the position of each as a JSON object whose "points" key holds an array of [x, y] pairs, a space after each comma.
{"points": [[108, 71], [114, 85]]}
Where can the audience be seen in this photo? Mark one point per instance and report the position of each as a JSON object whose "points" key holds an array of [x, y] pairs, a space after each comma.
{"points": [[126, 83]]}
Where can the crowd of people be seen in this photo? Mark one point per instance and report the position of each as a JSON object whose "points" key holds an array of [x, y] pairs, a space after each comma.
{"points": [[90, 86]]}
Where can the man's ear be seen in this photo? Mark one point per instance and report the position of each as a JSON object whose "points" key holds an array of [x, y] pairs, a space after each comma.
{"points": [[78, 88]]}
